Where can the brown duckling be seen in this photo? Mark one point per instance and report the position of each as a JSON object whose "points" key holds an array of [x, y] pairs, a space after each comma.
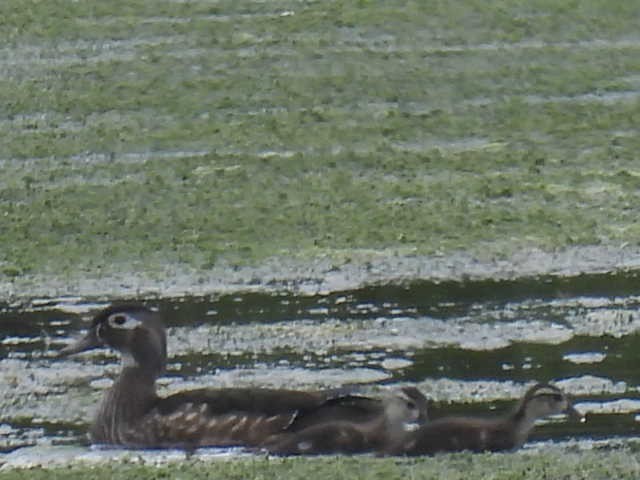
{"points": [[131, 414], [401, 408], [450, 434]]}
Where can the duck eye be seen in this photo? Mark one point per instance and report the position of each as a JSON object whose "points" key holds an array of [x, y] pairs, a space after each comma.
{"points": [[123, 321], [411, 405]]}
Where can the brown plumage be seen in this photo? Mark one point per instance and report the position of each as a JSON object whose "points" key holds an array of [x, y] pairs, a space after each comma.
{"points": [[407, 405], [131, 414], [450, 434]]}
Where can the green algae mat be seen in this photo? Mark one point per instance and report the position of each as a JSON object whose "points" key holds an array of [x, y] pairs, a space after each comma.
{"points": [[136, 135]]}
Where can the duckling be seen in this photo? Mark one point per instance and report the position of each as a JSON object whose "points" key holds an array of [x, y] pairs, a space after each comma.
{"points": [[132, 415], [449, 434], [408, 405]]}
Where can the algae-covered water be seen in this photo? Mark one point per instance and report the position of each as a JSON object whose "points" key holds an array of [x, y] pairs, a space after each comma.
{"points": [[472, 347]]}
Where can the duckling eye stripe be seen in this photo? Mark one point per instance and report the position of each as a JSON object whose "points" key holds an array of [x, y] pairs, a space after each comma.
{"points": [[123, 321], [552, 395], [547, 391]]}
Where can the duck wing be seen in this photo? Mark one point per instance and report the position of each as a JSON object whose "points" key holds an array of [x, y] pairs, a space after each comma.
{"points": [[231, 416], [349, 408], [265, 401]]}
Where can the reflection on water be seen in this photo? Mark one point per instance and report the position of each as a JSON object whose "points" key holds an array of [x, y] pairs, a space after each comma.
{"points": [[470, 346]]}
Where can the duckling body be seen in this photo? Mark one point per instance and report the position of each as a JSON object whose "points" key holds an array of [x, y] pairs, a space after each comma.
{"points": [[131, 414], [450, 434], [349, 436], [459, 434]]}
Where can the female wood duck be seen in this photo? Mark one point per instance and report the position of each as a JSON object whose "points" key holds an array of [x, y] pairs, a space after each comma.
{"points": [[449, 434], [406, 406], [131, 414]]}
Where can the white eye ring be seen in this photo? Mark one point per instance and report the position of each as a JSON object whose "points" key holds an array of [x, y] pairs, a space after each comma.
{"points": [[123, 321]]}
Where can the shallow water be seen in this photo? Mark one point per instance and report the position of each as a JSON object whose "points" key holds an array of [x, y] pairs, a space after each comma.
{"points": [[470, 346]]}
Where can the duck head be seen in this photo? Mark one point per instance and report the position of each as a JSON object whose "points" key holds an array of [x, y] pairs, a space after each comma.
{"points": [[404, 409], [134, 331], [414, 404], [543, 400]]}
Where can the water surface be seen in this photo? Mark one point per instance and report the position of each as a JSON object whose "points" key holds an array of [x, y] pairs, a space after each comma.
{"points": [[472, 347]]}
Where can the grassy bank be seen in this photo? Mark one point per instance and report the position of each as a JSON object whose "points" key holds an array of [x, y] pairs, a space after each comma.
{"points": [[137, 134], [569, 465]]}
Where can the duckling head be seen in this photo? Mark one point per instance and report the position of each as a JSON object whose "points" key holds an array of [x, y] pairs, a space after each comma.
{"points": [[543, 400], [134, 331], [406, 406], [416, 403]]}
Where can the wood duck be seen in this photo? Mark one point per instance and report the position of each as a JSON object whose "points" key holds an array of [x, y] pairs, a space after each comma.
{"points": [[449, 434], [406, 406], [132, 415]]}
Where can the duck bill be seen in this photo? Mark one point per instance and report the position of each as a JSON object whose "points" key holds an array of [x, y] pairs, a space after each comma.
{"points": [[575, 414], [88, 342]]}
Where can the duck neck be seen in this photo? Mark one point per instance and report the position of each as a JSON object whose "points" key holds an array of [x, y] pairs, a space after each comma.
{"points": [[523, 420], [384, 429], [131, 396], [394, 430], [376, 430]]}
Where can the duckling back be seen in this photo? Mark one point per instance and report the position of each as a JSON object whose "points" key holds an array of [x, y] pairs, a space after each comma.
{"points": [[350, 436]]}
